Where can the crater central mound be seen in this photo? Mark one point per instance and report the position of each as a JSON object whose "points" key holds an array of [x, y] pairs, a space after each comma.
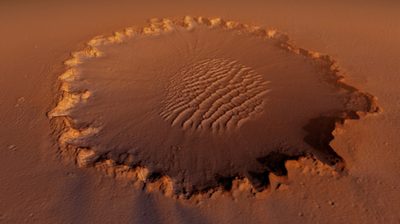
{"points": [[201, 102]]}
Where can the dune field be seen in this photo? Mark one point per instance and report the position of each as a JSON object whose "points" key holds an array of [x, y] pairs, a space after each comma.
{"points": [[200, 112]]}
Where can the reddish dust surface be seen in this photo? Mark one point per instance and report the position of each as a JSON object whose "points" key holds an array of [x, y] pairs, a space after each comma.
{"points": [[351, 179]]}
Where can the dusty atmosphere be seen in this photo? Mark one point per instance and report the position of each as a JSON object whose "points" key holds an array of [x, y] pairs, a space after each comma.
{"points": [[209, 112]]}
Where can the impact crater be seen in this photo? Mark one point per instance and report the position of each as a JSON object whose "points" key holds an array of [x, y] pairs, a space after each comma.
{"points": [[202, 106]]}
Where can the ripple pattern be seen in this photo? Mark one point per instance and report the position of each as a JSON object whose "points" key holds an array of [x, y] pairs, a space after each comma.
{"points": [[214, 94]]}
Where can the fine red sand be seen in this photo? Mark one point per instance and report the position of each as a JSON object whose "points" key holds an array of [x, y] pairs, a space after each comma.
{"points": [[289, 115]]}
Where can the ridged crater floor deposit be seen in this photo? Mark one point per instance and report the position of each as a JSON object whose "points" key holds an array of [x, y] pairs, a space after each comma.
{"points": [[202, 107]]}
